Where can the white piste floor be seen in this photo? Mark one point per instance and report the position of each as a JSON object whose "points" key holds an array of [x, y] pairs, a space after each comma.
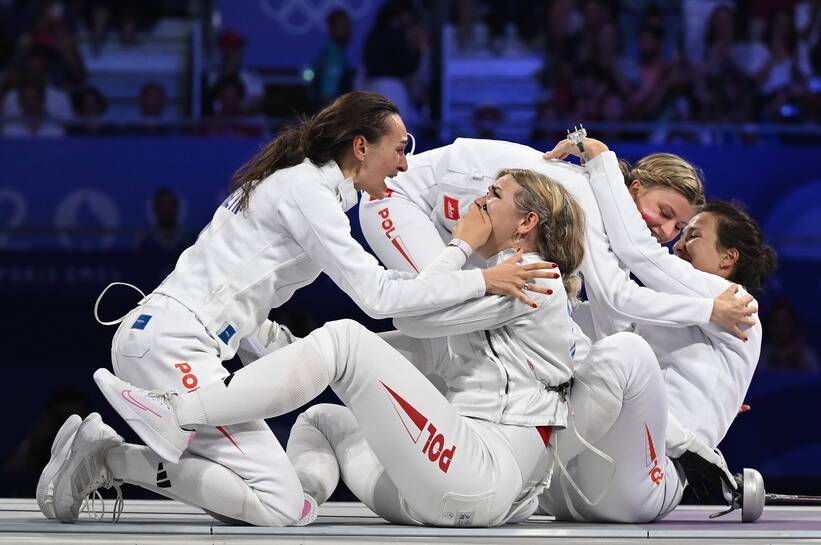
{"points": [[165, 521]]}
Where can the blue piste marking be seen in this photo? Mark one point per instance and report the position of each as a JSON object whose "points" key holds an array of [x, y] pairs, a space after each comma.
{"points": [[141, 321], [226, 334]]}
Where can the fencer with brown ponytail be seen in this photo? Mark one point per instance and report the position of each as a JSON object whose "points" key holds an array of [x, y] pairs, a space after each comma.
{"points": [[324, 137]]}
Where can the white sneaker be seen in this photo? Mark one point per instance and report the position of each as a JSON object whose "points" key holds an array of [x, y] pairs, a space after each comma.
{"points": [[150, 413], [84, 470], [59, 452]]}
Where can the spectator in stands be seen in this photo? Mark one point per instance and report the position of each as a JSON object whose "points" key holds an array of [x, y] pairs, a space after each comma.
{"points": [[333, 73], [232, 51], [613, 106], [127, 16], [166, 235], [35, 66], [154, 117], [513, 25], [776, 71], [562, 23], [33, 121], [590, 84], [486, 121], [808, 29], [51, 36], [89, 113], [393, 53], [784, 345], [228, 115], [657, 75], [722, 89], [608, 55], [724, 49]]}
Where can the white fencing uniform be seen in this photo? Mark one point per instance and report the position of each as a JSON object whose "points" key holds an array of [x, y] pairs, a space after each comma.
{"points": [[237, 472], [244, 263], [437, 466], [408, 228], [435, 191], [706, 371], [618, 402]]}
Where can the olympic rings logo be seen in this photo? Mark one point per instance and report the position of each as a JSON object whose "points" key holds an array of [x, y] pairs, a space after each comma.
{"points": [[301, 16]]}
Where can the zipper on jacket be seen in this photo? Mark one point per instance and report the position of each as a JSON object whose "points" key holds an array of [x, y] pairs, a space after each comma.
{"points": [[499, 361]]}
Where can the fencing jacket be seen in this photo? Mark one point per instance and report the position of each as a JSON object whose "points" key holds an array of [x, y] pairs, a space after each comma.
{"points": [[246, 262], [505, 359], [445, 181], [706, 370]]}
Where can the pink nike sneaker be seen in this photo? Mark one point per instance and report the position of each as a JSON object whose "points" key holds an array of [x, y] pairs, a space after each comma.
{"points": [[150, 413]]}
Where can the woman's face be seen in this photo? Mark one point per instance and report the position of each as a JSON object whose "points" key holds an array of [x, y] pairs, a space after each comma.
{"points": [[664, 210], [505, 216], [699, 246], [382, 159]]}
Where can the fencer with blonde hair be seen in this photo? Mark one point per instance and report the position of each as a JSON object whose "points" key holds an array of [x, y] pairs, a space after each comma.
{"points": [[282, 225], [475, 458]]}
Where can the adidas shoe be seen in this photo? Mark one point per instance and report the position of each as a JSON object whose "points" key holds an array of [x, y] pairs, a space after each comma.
{"points": [[84, 470], [150, 413], [59, 452]]}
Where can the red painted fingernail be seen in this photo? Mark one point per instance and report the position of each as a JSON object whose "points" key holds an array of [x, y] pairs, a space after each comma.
{"points": [[556, 275], [553, 266], [746, 339], [534, 305], [518, 249], [550, 292]]}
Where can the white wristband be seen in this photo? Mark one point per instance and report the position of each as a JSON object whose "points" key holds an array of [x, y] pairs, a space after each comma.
{"points": [[462, 245]]}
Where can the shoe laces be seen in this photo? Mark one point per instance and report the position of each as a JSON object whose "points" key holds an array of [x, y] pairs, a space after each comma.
{"points": [[164, 397], [90, 503], [92, 494]]}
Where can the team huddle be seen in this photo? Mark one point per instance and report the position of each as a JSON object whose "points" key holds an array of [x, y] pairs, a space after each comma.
{"points": [[527, 372]]}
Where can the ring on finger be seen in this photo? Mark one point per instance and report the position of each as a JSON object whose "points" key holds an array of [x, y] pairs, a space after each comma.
{"points": [[525, 286]]}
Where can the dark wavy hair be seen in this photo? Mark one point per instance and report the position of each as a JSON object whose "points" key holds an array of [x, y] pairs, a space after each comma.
{"points": [[324, 137], [736, 229]]}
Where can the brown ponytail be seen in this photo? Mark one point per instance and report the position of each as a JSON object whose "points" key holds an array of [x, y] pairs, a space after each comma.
{"points": [[326, 136]]}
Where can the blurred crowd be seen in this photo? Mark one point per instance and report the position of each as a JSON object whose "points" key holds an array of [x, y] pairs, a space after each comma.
{"points": [[703, 61], [46, 91]]}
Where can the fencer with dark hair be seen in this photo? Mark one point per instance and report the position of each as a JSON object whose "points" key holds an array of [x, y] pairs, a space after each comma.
{"points": [[283, 224], [707, 371], [472, 459]]}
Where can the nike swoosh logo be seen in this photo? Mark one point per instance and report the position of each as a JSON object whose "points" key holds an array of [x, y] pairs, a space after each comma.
{"points": [[128, 396]]}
